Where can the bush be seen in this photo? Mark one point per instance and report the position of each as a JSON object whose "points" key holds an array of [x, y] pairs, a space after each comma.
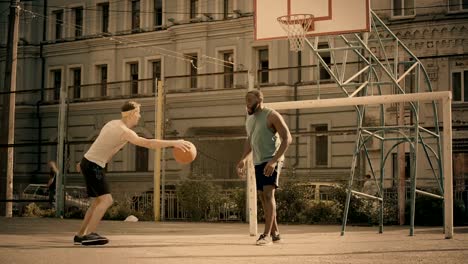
{"points": [[199, 198], [239, 199], [75, 213], [292, 201], [359, 209], [323, 212], [33, 210], [430, 211]]}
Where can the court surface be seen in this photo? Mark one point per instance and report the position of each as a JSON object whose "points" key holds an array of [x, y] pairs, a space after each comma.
{"points": [[47, 240]]}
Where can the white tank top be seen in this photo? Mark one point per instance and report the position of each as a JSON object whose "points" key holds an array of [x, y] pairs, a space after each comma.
{"points": [[109, 141]]}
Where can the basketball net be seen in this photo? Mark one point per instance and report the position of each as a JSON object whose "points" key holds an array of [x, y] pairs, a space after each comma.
{"points": [[297, 26]]}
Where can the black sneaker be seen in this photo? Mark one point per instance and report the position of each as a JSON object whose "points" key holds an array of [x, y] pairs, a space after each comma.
{"points": [[93, 239], [276, 238], [96, 234], [77, 240]]}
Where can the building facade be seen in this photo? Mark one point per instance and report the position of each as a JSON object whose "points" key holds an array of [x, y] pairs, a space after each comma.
{"points": [[105, 52]]}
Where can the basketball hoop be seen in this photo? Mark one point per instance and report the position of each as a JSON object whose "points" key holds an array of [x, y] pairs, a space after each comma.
{"points": [[297, 26]]}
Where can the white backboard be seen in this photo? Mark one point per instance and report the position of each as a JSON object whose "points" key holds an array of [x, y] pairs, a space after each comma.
{"points": [[331, 17]]}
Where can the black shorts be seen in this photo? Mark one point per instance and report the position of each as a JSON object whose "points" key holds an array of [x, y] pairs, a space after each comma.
{"points": [[95, 178], [263, 180]]}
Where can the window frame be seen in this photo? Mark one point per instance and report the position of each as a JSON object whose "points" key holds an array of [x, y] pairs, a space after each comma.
{"points": [[104, 26], [78, 25], [134, 83], [263, 73], [58, 26], [463, 89], [135, 16], [76, 87], [194, 6], [153, 71], [56, 89], [312, 144], [460, 5], [193, 69], [103, 81], [228, 69], [403, 10], [158, 16]]}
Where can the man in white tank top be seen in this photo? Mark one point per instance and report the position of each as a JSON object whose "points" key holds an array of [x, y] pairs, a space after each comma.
{"points": [[113, 136]]}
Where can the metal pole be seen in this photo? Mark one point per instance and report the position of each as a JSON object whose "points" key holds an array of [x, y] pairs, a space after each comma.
{"points": [[163, 185], [10, 99], [62, 113], [364, 100], [251, 190], [401, 170], [447, 148], [163, 166], [157, 154]]}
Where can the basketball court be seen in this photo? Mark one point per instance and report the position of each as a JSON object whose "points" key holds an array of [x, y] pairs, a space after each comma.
{"points": [[303, 22], [45, 240]]}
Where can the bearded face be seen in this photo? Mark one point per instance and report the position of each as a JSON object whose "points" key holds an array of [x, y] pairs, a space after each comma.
{"points": [[252, 103]]}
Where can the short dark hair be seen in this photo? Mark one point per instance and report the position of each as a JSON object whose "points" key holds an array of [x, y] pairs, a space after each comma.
{"points": [[257, 93], [129, 105]]}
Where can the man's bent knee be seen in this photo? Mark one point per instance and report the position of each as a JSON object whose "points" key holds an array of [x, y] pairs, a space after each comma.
{"points": [[269, 193], [105, 199]]}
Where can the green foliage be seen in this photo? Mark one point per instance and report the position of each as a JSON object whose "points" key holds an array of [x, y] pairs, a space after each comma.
{"points": [[358, 207], [292, 203], [238, 196], [200, 198], [33, 210], [430, 211], [323, 212]]}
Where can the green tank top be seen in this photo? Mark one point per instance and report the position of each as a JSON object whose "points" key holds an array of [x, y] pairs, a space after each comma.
{"points": [[263, 141]]}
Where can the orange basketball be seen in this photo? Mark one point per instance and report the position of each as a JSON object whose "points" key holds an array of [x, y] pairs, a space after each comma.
{"points": [[185, 157]]}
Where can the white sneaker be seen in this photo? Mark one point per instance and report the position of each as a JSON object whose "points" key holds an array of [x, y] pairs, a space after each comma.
{"points": [[264, 240]]}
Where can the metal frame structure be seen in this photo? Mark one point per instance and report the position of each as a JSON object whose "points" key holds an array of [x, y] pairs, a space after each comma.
{"points": [[385, 62]]}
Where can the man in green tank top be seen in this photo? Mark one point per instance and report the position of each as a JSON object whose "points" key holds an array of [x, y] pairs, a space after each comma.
{"points": [[268, 140]]}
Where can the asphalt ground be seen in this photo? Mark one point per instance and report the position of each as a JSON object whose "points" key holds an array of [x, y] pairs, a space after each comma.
{"points": [[49, 240]]}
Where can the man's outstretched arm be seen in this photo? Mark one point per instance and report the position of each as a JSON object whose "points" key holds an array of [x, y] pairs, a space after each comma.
{"points": [[133, 138]]}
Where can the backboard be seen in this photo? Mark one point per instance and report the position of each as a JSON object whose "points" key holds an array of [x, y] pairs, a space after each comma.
{"points": [[331, 17]]}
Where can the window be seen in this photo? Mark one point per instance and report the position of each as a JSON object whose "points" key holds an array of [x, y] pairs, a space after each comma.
{"points": [[193, 64], [193, 8], [227, 7], [460, 86], [319, 146], [228, 69], [57, 77], [58, 24], [403, 8], [141, 158], [324, 75], [103, 79], [158, 13], [134, 78], [104, 17], [78, 12], [76, 83], [156, 73], [135, 15], [263, 66], [457, 5]]}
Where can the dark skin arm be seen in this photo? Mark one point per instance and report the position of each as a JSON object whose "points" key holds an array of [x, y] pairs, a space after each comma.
{"points": [[276, 123], [245, 154]]}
